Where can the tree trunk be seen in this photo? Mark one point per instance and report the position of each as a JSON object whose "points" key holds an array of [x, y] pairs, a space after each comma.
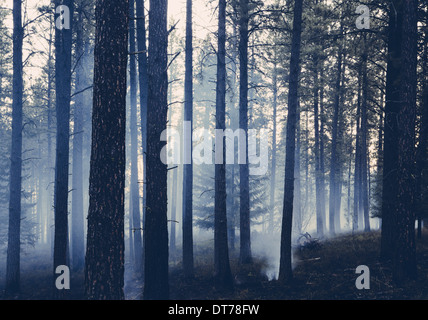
{"points": [[135, 190], [285, 267], [318, 192], [244, 182], [63, 47], [390, 151], [273, 170], [188, 166], [104, 276], [143, 86], [77, 219], [334, 163], [14, 231], [421, 159], [364, 132], [404, 259], [222, 274], [156, 282]]}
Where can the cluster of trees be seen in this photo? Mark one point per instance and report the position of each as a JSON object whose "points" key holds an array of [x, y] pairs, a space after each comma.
{"points": [[347, 108]]}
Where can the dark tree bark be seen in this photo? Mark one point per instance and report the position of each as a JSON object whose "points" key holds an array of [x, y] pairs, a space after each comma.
{"points": [[135, 192], [404, 266], [390, 152], [156, 282], [63, 47], [421, 160], [104, 276], [244, 182], [188, 166], [222, 273], [143, 86], [14, 231], [285, 267]]}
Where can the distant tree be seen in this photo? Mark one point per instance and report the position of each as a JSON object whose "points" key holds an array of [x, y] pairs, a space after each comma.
{"points": [[104, 274]]}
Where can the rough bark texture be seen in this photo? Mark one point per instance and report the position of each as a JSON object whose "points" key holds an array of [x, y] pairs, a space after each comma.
{"points": [[390, 152], [404, 266], [14, 231], [104, 277], [156, 283], [285, 267]]}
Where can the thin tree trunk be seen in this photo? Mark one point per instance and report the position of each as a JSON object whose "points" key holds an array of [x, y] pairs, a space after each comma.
{"points": [[63, 49], [364, 149], [334, 163], [143, 86], [285, 267], [318, 192], [188, 166], [273, 170], [135, 190], [244, 182], [77, 220], [222, 274]]}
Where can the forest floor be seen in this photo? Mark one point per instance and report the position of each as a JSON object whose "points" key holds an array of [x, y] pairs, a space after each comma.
{"points": [[325, 271]]}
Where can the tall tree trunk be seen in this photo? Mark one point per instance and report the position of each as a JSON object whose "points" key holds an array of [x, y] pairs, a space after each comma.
{"points": [[188, 166], [104, 276], [135, 190], [77, 220], [421, 159], [156, 282], [14, 231], [334, 163], [274, 132], [297, 207], [63, 47], [322, 153], [222, 274], [404, 259], [285, 267], [390, 151], [318, 192], [244, 182], [364, 132], [143, 86]]}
